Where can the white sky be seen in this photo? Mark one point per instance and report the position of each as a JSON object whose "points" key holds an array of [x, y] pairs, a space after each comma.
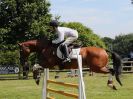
{"points": [[107, 18]]}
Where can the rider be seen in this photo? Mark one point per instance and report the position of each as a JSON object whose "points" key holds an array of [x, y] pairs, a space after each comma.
{"points": [[65, 34]]}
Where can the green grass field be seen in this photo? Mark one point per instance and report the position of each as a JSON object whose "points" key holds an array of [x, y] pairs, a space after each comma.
{"points": [[96, 88]]}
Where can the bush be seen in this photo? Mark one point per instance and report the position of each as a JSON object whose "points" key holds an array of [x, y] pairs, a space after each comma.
{"points": [[9, 57]]}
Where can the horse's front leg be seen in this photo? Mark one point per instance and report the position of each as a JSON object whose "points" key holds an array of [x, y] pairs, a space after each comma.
{"points": [[37, 73], [36, 76], [57, 75]]}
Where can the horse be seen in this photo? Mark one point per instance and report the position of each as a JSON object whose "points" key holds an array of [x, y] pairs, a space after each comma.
{"points": [[95, 58]]}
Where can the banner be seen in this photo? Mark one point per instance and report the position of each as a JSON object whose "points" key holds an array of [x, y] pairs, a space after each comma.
{"points": [[9, 70]]}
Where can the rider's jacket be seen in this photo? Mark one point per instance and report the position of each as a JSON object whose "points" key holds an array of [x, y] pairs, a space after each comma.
{"points": [[64, 32]]}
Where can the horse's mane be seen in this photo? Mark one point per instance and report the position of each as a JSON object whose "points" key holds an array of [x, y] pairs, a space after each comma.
{"points": [[44, 40]]}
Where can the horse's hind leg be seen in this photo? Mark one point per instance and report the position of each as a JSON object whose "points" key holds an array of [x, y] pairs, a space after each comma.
{"points": [[110, 78]]}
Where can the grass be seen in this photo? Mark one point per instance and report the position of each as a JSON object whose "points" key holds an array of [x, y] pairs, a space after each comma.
{"points": [[96, 88]]}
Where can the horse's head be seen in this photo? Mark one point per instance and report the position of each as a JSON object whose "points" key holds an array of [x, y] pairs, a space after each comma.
{"points": [[24, 53], [25, 49]]}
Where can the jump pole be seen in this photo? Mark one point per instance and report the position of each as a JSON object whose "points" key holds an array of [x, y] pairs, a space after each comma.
{"points": [[82, 94], [44, 88]]}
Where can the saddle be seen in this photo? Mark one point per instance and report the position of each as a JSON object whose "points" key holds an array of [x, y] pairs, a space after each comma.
{"points": [[71, 47]]}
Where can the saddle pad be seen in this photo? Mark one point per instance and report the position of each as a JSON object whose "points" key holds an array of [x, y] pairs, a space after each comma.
{"points": [[73, 54]]}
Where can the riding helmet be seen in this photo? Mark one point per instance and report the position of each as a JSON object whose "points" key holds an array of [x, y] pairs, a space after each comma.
{"points": [[54, 23]]}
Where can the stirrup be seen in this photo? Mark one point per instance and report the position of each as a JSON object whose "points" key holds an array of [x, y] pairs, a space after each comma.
{"points": [[67, 60]]}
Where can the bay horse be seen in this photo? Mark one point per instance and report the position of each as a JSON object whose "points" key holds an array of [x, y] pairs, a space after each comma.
{"points": [[94, 58]]}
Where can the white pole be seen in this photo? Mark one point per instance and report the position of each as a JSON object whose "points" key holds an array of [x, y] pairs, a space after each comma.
{"points": [[80, 87], [45, 78], [81, 82]]}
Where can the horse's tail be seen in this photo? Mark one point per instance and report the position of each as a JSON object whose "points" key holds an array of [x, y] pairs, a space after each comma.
{"points": [[117, 65]]}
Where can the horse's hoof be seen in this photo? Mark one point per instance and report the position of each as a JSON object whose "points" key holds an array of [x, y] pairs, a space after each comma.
{"points": [[114, 87], [37, 82], [57, 77]]}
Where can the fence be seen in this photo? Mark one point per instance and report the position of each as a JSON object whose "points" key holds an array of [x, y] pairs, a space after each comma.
{"points": [[81, 85], [47, 89], [127, 66]]}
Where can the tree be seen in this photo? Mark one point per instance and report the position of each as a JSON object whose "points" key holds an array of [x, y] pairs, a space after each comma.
{"points": [[123, 44], [108, 42], [23, 19]]}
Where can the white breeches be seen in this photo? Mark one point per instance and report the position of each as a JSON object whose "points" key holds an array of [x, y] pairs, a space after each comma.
{"points": [[70, 40]]}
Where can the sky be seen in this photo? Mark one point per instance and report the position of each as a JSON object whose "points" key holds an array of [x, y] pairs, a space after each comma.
{"points": [[107, 18]]}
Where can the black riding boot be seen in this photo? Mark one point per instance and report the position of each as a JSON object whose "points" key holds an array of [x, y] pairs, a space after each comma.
{"points": [[66, 53]]}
